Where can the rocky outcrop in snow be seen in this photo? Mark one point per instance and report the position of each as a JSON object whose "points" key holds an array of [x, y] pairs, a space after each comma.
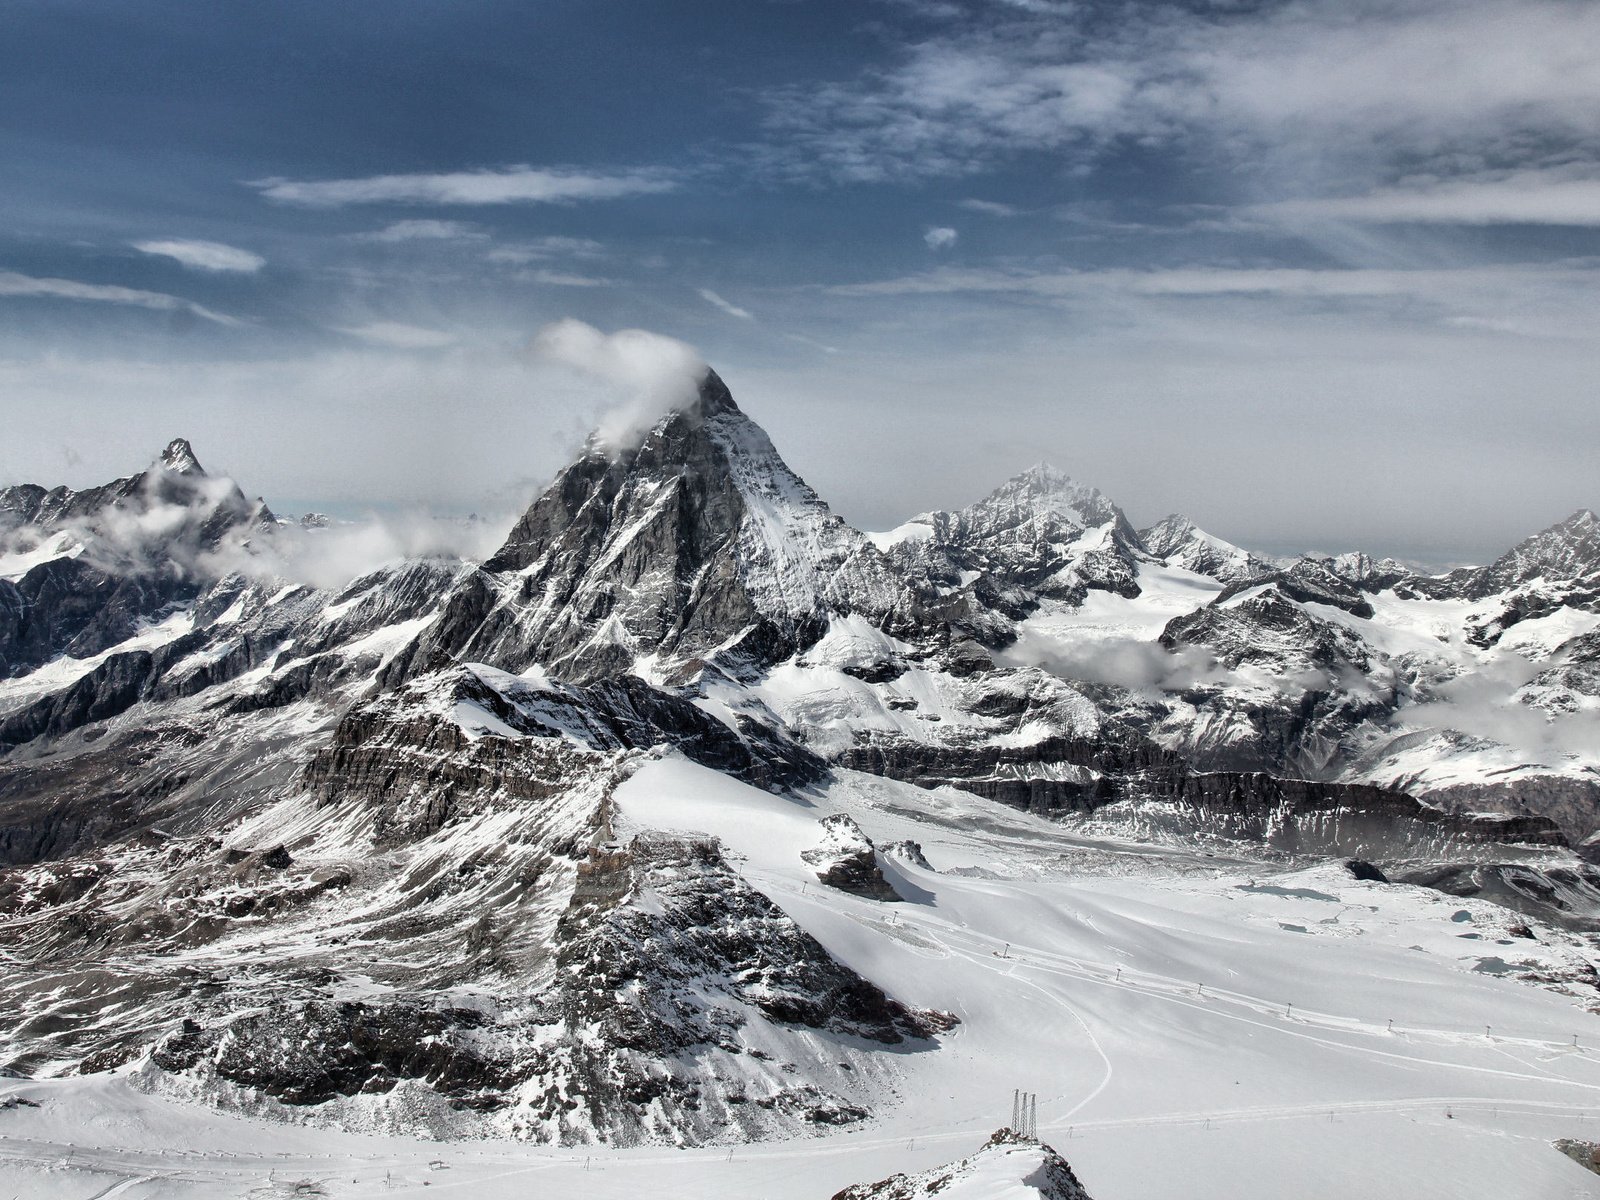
{"points": [[1567, 896], [1008, 1165], [846, 859], [674, 994]]}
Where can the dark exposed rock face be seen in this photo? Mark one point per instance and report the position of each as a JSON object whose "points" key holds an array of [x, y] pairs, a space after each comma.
{"points": [[847, 860], [1021, 1166], [1063, 775], [143, 541], [1309, 581], [312, 1052], [690, 969], [699, 542], [1572, 804], [410, 767], [1564, 896]]}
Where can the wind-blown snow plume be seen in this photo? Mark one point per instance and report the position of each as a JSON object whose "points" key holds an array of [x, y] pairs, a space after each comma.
{"points": [[653, 373]]}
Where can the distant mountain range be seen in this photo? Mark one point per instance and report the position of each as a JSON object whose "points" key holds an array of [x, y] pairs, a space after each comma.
{"points": [[359, 849]]}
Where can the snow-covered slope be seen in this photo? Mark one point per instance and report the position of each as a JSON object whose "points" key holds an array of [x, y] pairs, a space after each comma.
{"points": [[695, 816], [1339, 1036]]}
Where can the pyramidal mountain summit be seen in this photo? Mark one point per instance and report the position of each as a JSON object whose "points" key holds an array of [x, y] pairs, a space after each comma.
{"points": [[694, 817]]}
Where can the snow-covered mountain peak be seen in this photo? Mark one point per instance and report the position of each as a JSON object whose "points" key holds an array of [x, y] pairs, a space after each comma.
{"points": [[179, 458], [1180, 542], [1043, 491], [1170, 534], [697, 541], [1569, 549]]}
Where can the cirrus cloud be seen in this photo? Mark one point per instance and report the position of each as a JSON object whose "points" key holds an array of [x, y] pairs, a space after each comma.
{"points": [[204, 256], [1534, 197], [399, 335], [727, 306], [507, 185], [15, 284]]}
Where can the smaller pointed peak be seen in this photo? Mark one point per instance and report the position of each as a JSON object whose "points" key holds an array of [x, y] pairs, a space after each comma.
{"points": [[1176, 523], [714, 396], [1170, 534], [179, 458]]}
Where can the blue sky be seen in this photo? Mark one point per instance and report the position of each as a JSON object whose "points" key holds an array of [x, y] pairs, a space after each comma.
{"points": [[1317, 274]]}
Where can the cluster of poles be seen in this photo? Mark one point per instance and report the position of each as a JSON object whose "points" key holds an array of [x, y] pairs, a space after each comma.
{"points": [[1025, 1113]]}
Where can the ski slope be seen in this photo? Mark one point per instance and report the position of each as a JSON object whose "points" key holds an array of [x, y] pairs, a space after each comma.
{"points": [[1194, 1027]]}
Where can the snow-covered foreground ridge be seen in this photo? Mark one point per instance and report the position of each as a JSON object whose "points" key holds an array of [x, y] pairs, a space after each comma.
{"points": [[695, 835]]}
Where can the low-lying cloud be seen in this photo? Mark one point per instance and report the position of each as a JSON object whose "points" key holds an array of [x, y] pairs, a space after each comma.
{"points": [[649, 373], [331, 556], [1483, 704], [156, 537], [1120, 662]]}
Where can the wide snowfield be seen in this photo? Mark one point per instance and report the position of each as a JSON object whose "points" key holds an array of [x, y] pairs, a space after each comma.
{"points": [[1194, 1027]]}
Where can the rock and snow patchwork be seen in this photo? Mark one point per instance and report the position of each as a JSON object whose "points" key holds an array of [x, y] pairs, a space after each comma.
{"points": [[1008, 1167], [698, 545], [1127, 984], [1037, 537], [846, 859], [1179, 542], [532, 849]]}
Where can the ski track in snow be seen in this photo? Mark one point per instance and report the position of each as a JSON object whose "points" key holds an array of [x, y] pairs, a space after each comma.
{"points": [[1425, 1092]]}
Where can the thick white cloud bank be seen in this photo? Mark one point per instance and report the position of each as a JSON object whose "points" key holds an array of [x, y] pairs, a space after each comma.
{"points": [[332, 556]]}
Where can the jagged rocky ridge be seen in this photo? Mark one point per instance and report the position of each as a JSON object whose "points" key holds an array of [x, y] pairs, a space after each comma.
{"points": [[697, 545], [82, 570], [348, 853]]}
